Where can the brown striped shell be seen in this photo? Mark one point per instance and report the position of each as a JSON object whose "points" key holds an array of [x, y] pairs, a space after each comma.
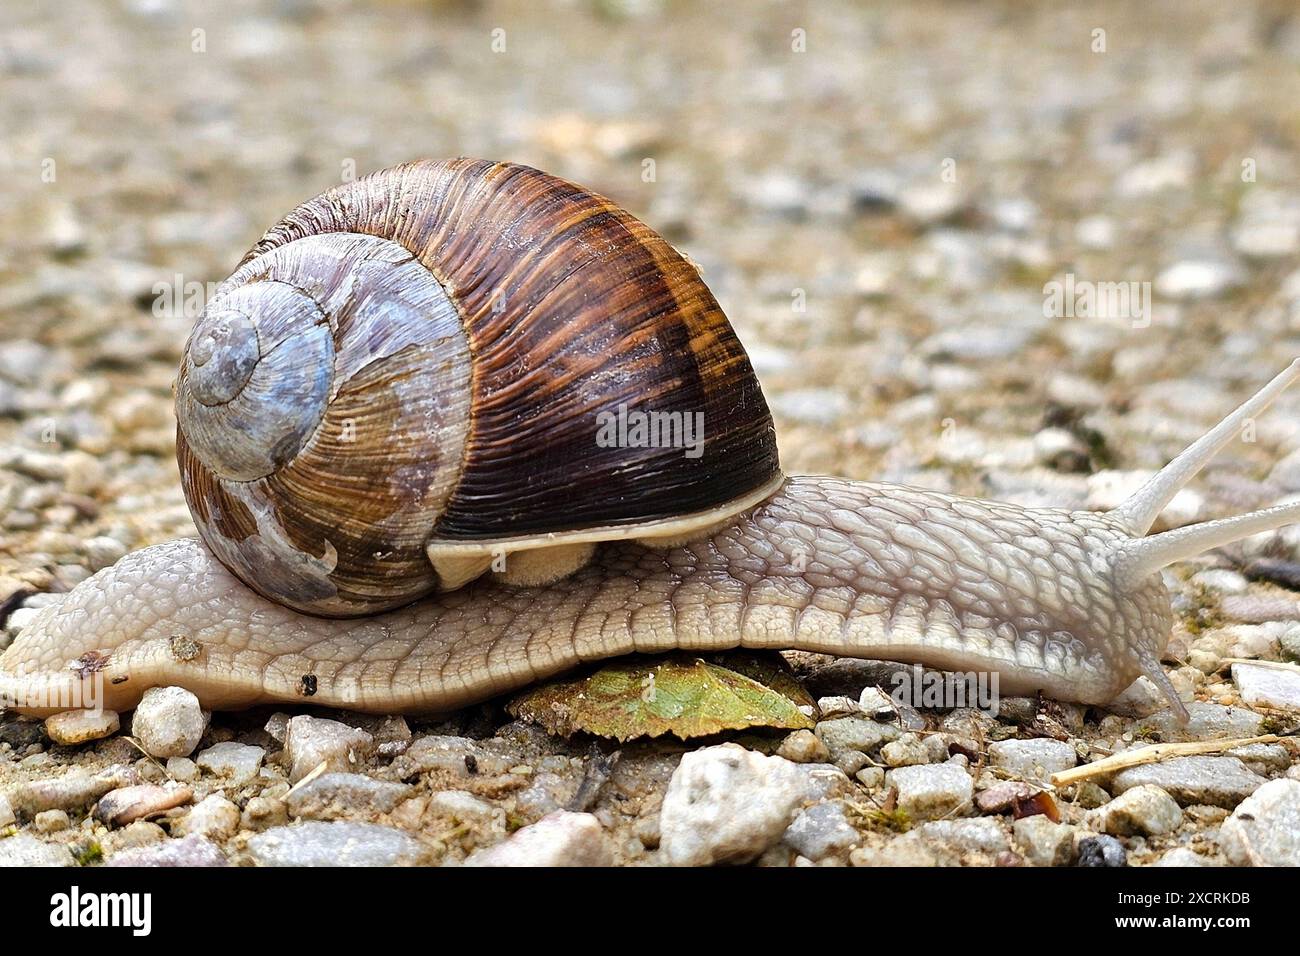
{"points": [[428, 367]]}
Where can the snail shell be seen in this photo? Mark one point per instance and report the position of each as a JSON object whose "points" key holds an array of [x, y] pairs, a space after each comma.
{"points": [[405, 376]]}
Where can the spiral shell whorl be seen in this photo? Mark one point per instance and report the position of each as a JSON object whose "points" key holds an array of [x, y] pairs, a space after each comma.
{"points": [[322, 414]]}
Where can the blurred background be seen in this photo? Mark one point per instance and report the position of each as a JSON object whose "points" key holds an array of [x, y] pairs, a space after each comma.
{"points": [[879, 195]]}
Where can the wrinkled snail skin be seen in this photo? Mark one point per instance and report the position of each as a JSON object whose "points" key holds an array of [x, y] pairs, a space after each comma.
{"points": [[402, 382], [842, 567]]}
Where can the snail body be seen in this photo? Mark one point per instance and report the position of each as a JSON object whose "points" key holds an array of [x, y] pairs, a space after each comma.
{"points": [[387, 423]]}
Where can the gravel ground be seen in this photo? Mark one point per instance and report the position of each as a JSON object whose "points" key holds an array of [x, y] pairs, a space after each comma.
{"points": [[879, 215]]}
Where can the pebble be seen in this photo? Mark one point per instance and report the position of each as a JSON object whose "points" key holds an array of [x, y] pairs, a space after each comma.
{"points": [[804, 746], [1221, 580], [932, 791], [726, 804], [1042, 842], [1264, 830], [214, 816], [261, 813], [1264, 759], [1206, 721], [169, 722], [102, 551], [74, 727], [811, 406], [914, 750], [1217, 781], [977, 835], [51, 821], [1003, 796], [6, 811], [183, 769], [1181, 856], [858, 734], [19, 618], [311, 741], [1203, 278], [237, 763], [459, 807], [1034, 759], [120, 807], [72, 791], [1274, 687], [336, 794], [1106, 489], [189, 851], [25, 850], [1095, 232], [136, 833], [558, 839], [338, 843], [928, 202], [1101, 851], [821, 831], [1144, 810]]}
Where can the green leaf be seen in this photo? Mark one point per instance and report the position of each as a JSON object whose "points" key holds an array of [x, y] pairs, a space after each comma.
{"points": [[679, 694]]}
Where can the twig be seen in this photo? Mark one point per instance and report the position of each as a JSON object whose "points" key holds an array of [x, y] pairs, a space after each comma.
{"points": [[1275, 665], [1153, 754]]}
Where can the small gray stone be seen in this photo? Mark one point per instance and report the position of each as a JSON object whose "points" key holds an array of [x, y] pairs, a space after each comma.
{"points": [[811, 406], [190, 851], [460, 806], [1263, 759], [1221, 580], [1145, 810], [1216, 781], [1199, 278], [558, 839], [930, 200], [237, 763], [978, 835], [1264, 830], [6, 811], [168, 722], [932, 791], [1034, 759], [914, 749], [804, 746], [311, 741], [183, 769], [335, 794], [25, 850], [71, 791], [726, 804], [1206, 722], [1261, 685], [50, 821], [823, 830], [103, 551], [1181, 856], [1043, 842], [1101, 851], [214, 816], [339, 843], [858, 734]]}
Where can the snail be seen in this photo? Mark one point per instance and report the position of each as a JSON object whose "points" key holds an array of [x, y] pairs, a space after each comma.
{"points": [[389, 436]]}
